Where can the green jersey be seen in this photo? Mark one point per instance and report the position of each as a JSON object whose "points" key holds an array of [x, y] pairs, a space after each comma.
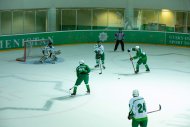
{"points": [[139, 53], [82, 69]]}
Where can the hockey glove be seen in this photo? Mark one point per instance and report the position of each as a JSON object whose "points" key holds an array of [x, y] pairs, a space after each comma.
{"points": [[130, 116], [131, 59]]}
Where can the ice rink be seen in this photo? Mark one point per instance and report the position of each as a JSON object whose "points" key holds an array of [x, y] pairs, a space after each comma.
{"points": [[37, 95]]}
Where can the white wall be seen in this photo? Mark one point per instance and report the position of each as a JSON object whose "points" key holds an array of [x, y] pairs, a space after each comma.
{"points": [[162, 4], [146, 4], [17, 4]]}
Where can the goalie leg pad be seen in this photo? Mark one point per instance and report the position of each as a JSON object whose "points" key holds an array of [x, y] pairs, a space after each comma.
{"points": [[53, 58], [43, 59]]}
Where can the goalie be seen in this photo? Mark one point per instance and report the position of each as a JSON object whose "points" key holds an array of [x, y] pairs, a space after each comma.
{"points": [[49, 53]]}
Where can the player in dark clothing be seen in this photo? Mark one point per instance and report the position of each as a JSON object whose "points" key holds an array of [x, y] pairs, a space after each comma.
{"points": [[119, 37]]}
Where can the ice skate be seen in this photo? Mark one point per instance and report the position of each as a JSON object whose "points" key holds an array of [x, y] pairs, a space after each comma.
{"points": [[87, 92], [73, 94], [96, 66], [137, 71], [147, 70]]}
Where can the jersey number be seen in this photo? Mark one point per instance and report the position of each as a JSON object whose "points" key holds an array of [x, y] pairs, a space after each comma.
{"points": [[142, 107]]}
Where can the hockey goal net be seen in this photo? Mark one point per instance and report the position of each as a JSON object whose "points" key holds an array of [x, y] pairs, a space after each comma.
{"points": [[33, 49]]}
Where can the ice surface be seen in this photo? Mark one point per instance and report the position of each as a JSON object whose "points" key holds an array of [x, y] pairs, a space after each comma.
{"points": [[37, 95]]}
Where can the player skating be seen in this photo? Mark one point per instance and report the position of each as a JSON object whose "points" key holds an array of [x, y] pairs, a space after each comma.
{"points": [[137, 110], [82, 72], [99, 54], [142, 58], [49, 53]]}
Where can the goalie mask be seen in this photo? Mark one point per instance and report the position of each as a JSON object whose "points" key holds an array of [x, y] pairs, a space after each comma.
{"points": [[50, 44]]}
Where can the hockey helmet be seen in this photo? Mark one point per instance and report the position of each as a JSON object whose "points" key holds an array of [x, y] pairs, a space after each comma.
{"points": [[50, 43], [137, 47], [99, 43], [135, 93], [81, 62]]}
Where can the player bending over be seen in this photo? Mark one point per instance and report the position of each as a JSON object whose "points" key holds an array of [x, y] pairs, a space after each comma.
{"points": [[142, 58]]}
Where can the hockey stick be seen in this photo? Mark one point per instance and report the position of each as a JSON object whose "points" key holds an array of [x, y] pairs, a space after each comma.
{"points": [[131, 61], [155, 110], [100, 65], [131, 116], [71, 88]]}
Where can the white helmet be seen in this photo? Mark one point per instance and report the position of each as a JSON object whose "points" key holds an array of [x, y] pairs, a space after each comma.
{"points": [[135, 93], [81, 62], [137, 47]]}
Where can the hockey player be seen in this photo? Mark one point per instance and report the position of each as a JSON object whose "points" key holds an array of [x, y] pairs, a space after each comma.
{"points": [[119, 37], [49, 53], [137, 110], [141, 56], [82, 72], [48, 49], [100, 56]]}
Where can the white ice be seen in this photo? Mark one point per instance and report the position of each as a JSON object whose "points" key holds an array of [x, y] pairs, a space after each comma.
{"points": [[37, 95]]}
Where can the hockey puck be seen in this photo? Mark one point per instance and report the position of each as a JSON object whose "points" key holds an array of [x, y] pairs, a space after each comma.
{"points": [[118, 78]]}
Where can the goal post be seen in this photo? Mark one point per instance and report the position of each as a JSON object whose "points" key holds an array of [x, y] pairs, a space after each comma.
{"points": [[32, 49]]}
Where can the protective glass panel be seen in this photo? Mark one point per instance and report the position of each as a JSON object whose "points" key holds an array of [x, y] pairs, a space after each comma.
{"points": [[41, 21], [115, 18], [84, 19], [167, 18], [18, 20], [68, 19], [29, 21], [100, 19], [6, 22]]}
